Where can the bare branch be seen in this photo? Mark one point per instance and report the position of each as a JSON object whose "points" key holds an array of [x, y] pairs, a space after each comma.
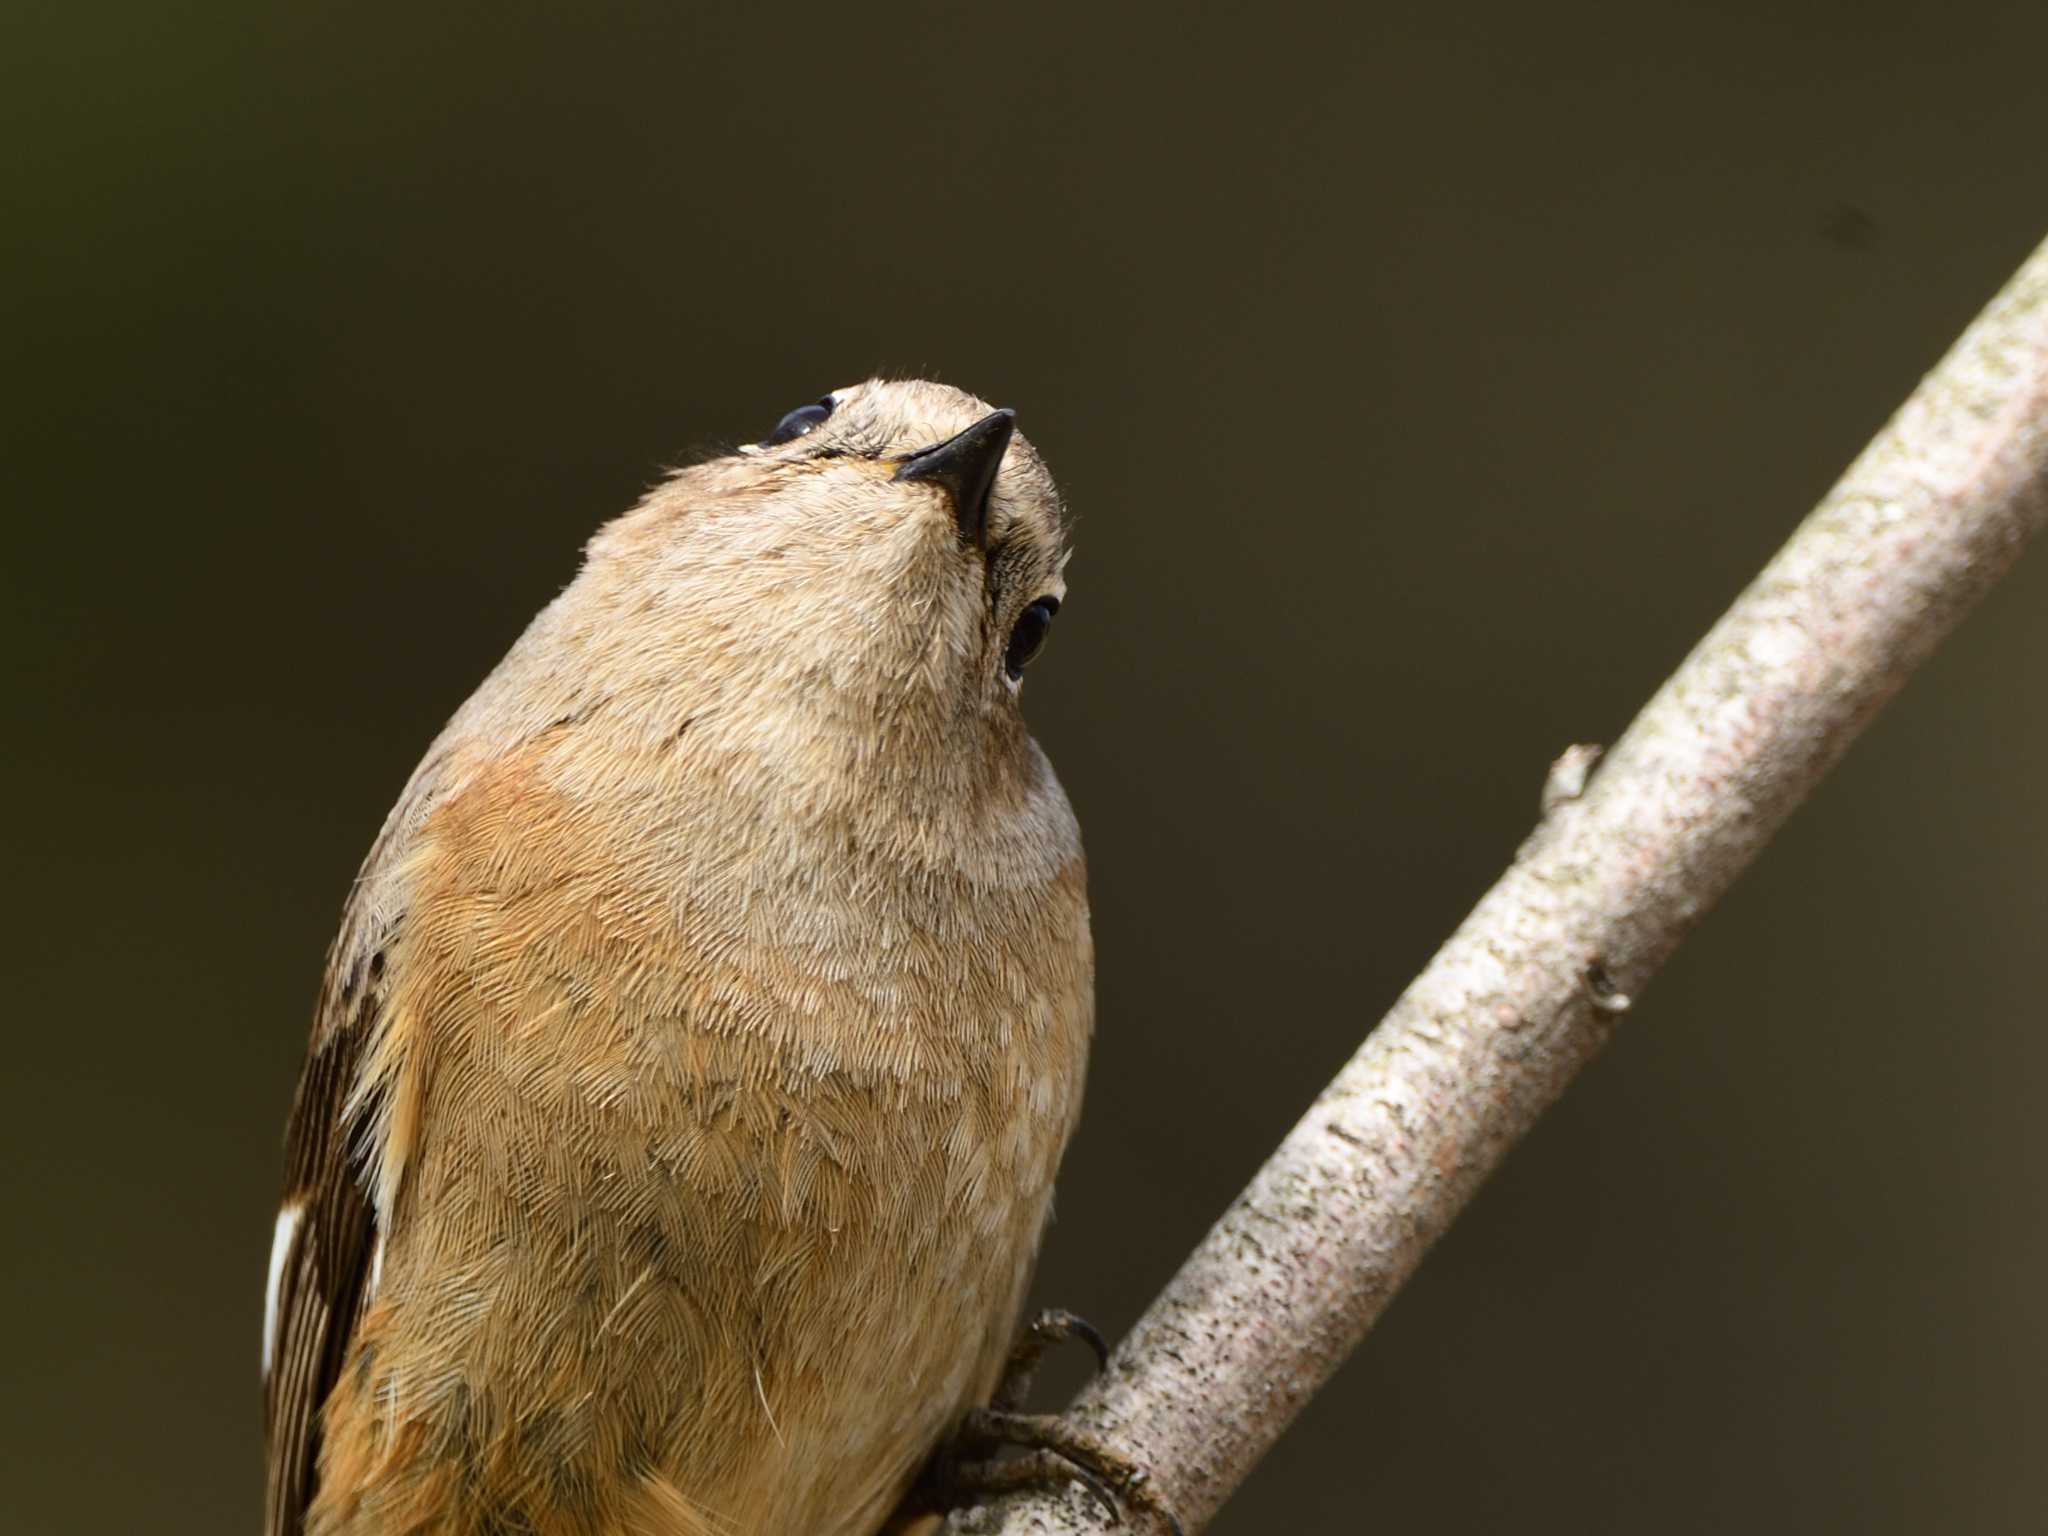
{"points": [[1623, 863]]}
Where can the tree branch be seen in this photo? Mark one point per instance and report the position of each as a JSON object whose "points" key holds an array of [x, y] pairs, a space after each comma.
{"points": [[1528, 989]]}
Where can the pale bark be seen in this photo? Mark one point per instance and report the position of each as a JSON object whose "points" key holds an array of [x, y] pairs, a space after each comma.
{"points": [[1527, 990]]}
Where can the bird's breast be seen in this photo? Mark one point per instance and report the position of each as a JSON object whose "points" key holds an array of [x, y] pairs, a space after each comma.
{"points": [[729, 1154]]}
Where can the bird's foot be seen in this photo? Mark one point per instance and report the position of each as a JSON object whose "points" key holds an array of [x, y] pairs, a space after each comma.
{"points": [[966, 1470], [1054, 1325], [1060, 1452], [955, 1481]]}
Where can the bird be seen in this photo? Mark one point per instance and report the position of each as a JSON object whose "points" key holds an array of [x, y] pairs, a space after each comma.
{"points": [[706, 1025]]}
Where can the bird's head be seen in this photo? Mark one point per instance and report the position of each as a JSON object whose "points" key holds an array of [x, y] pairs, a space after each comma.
{"points": [[867, 583]]}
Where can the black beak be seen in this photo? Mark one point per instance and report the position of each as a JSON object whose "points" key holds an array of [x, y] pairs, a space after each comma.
{"points": [[966, 464]]}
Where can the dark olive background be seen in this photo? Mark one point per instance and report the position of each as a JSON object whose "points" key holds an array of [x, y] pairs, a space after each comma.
{"points": [[1425, 380]]}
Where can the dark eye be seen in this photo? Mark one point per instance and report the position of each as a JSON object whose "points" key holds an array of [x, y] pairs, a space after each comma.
{"points": [[804, 418], [1029, 636]]}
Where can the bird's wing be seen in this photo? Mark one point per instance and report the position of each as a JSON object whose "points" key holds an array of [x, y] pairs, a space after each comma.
{"points": [[326, 1232], [323, 1251]]}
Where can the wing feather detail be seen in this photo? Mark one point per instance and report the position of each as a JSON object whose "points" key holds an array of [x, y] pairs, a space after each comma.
{"points": [[323, 1267]]}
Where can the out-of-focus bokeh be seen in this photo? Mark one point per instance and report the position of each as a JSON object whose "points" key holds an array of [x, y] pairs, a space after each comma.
{"points": [[1425, 380]]}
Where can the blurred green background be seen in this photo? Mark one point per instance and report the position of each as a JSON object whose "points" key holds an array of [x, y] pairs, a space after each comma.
{"points": [[1425, 380]]}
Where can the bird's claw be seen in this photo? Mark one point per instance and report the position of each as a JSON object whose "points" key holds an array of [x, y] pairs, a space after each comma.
{"points": [[1063, 1451], [1055, 1325], [1059, 1451]]}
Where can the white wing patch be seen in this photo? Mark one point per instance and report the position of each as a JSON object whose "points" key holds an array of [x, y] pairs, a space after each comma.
{"points": [[280, 1250]]}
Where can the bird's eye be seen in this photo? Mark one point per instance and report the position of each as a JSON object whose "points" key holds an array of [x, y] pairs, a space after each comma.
{"points": [[1029, 636], [803, 419]]}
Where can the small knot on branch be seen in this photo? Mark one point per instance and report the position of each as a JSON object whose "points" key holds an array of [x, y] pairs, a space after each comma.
{"points": [[1566, 780], [1606, 996]]}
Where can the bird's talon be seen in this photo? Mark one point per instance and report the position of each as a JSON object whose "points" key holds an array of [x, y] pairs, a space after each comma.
{"points": [[1098, 1490], [1055, 1325], [1082, 1456], [1089, 1334]]}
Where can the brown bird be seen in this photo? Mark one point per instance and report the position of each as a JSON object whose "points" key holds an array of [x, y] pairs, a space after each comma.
{"points": [[706, 1024]]}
